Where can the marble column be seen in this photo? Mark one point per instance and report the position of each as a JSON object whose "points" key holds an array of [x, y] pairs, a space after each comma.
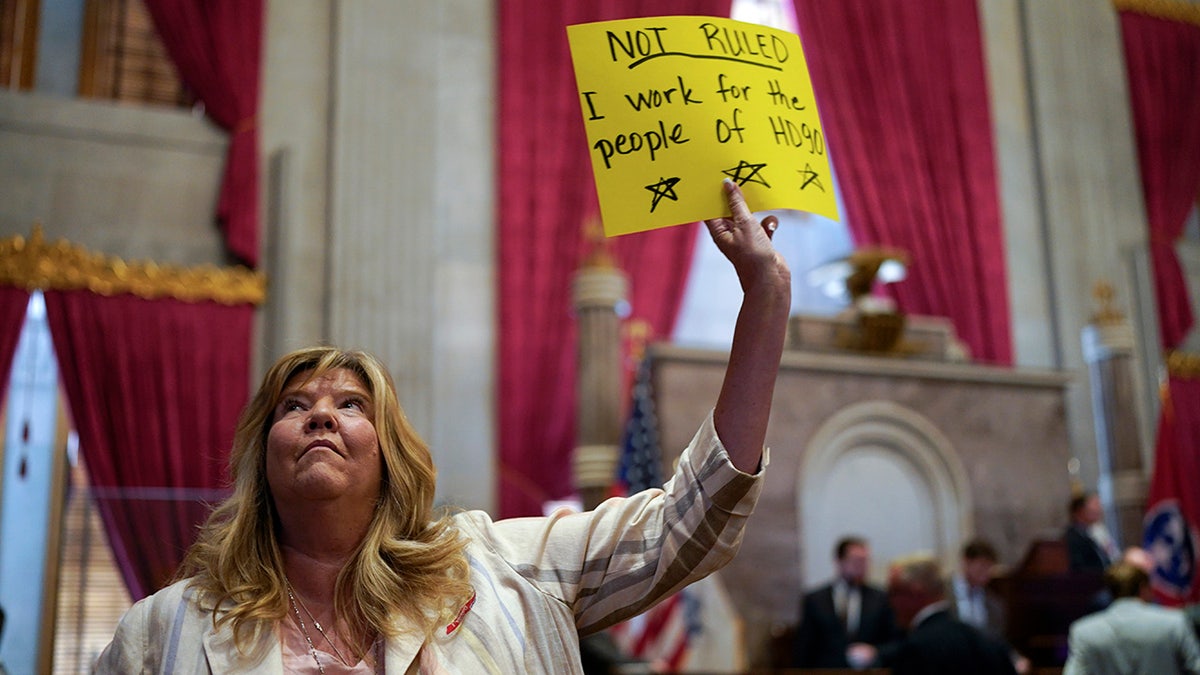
{"points": [[408, 250], [598, 292], [1108, 349], [1072, 206]]}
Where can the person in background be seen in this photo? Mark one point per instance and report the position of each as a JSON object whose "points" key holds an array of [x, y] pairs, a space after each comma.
{"points": [[937, 643], [844, 623], [329, 557], [1132, 635], [1089, 546], [972, 601]]}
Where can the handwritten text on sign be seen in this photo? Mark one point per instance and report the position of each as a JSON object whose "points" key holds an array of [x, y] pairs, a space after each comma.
{"points": [[673, 105]]}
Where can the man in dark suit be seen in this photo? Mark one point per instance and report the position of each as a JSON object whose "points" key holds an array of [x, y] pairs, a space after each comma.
{"points": [[972, 602], [843, 623], [1084, 551], [937, 643]]}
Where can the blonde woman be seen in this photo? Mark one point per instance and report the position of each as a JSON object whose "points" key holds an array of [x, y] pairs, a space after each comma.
{"points": [[328, 557]]}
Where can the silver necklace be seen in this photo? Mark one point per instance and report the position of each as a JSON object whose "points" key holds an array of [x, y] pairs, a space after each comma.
{"points": [[296, 605]]}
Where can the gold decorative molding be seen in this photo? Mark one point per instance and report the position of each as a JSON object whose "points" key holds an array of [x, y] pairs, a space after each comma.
{"points": [[36, 264], [599, 254], [1184, 365], [638, 332], [1171, 10]]}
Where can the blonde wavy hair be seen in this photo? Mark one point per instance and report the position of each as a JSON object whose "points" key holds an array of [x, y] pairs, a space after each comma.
{"points": [[411, 562]]}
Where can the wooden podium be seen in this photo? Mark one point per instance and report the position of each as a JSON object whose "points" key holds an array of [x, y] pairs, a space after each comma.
{"points": [[1043, 597]]}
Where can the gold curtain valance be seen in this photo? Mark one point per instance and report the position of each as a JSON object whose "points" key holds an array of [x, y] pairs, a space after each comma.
{"points": [[1171, 10], [1185, 365], [35, 264]]}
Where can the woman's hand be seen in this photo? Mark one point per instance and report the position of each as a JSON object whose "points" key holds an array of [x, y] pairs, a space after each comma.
{"points": [[747, 243]]}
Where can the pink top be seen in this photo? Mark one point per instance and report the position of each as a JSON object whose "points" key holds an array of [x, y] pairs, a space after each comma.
{"points": [[298, 659]]}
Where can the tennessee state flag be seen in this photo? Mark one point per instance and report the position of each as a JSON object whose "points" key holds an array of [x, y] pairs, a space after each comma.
{"points": [[1173, 504]]}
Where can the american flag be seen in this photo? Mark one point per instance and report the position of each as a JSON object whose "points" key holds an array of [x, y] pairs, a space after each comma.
{"points": [[662, 634], [641, 457]]}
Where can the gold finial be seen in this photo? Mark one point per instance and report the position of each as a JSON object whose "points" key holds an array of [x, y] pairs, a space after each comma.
{"points": [[600, 253], [1107, 314], [638, 332]]}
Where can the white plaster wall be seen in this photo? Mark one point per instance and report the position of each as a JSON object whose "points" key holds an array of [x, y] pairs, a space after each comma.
{"points": [[294, 129], [1030, 297], [377, 124]]}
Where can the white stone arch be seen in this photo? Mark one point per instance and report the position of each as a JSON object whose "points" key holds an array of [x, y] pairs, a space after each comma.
{"points": [[884, 471]]}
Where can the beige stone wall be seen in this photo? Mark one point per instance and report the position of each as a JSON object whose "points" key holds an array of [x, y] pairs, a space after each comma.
{"points": [[138, 183], [1007, 429]]}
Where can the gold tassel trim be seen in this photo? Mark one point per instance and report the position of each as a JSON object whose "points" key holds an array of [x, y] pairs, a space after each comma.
{"points": [[1184, 365], [1171, 10], [35, 264]]}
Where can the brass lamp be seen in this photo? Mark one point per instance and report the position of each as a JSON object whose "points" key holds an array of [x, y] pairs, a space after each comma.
{"points": [[877, 325]]}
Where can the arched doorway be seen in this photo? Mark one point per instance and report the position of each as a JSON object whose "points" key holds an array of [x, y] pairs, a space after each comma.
{"points": [[882, 471]]}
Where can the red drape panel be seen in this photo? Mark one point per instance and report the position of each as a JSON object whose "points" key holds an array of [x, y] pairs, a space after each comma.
{"points": [[154, 388], [1163, 61], [903, 96], [217, 46], [545, 194], [13, 303]]}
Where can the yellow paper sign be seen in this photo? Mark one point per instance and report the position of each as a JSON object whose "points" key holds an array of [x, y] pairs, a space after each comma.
{"points": [[674, 104]]}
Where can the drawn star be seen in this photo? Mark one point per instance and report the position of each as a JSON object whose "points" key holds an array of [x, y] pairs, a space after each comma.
{"points": [[811, 177], [751, 174], [665, 187]]}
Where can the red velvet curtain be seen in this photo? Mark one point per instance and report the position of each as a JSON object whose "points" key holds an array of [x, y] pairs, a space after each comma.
{"points": [[903, 96], [545, 195], [217, 46], [13, 303], [154, 388], [1163, 61]]}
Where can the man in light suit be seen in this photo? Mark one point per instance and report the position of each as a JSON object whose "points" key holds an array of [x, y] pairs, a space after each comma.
{"points": [[1132, 635], [844, 622]]}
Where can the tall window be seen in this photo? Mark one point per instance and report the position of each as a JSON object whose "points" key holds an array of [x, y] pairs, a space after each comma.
{"points": [[105, 49], [18, 43], [59, 585], [91, 594], [123, 59]]}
